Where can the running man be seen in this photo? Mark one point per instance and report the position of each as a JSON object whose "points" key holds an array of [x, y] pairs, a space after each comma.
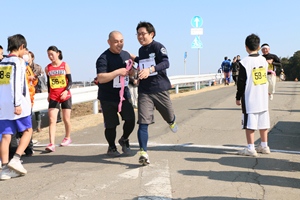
{"points": [[273, 62]]}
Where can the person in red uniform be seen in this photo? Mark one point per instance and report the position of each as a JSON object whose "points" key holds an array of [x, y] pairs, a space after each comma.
{"points": [[59, 84]]}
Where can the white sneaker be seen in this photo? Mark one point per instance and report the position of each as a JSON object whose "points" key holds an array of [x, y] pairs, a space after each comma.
{"points": [[34, 141], [263, 150], [7, 173], [173, 127], [144, 158], [247, 152], [271, 97], [15, 164]]}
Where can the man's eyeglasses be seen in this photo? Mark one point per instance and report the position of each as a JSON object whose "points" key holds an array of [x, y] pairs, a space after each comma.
{"points": [[141, 34]]}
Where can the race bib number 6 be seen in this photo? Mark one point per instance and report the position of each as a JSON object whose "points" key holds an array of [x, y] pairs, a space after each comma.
{"points": [[5, 73], [58, 81], [259, 76]]}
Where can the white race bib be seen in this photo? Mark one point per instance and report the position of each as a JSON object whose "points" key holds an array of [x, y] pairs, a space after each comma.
{"points": [[117, 81], [147, 63]]}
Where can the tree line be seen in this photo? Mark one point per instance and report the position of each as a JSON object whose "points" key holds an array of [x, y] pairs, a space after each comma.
{"points": [[291, 67]]}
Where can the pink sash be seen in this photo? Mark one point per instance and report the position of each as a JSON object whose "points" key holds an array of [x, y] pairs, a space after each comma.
{"points": [[129, 64]]}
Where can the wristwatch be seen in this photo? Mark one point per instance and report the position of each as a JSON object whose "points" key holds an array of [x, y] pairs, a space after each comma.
{"points": [[150, 69]]}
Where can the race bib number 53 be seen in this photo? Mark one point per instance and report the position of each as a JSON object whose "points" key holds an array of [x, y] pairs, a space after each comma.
{"points": [[5, 73], [259, 76]]}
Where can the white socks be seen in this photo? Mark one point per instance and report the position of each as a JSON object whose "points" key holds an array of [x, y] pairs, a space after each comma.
{"points": [[251, 147], [264, 144]]}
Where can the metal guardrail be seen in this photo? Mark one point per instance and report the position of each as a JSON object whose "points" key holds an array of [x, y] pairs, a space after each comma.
{"points": [[86, 94]]}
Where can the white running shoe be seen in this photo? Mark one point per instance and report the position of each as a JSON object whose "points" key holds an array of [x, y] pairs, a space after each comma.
{"points": [[144, 158], [7, 173], [263, 150], [247, 152], [16, 165], [173, 127]]}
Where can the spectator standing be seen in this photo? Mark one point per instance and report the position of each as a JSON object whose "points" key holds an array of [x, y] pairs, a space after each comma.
{"points": [[235, 70], [133, 88], [252, 94], [40, 76]]}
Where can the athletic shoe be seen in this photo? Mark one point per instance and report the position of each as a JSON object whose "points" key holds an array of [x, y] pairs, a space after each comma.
{"points": [[34, 141], [173, 127], [125, 145], [271, 97], [144, 158], [65, 142], [263, 150], [50, 148], [247, 152], [16, 165], [113, 152], [7, 173]]}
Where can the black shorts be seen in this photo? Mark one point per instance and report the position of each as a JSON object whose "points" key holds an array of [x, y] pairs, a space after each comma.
{"points": [[64, 105], [110, 112]]}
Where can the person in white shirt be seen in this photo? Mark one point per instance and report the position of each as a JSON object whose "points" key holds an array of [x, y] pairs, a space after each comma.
{"points": [[252, 95], [15, 106]]}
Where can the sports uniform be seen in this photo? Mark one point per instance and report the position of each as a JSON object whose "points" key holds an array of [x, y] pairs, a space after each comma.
{"points": [[252, 83], [58, 83], [14, 92]]}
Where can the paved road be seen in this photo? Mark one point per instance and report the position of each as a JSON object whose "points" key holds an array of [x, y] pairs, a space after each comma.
{"points": [[198, 162]]}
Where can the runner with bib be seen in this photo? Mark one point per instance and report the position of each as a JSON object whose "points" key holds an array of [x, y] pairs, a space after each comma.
{"points": [[59, 85]]}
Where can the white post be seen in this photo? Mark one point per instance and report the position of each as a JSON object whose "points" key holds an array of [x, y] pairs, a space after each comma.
{"points": [[184, 66], [199, 58], [95, 106]]}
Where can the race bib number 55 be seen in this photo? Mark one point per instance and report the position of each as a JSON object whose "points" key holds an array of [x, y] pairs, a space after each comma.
{"points": [[5, 73], [58, 81], [259, 76]]}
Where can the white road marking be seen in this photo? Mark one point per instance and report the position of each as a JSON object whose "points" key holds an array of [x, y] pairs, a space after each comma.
{"points": [[177, 145], [155, 181], [132, 174]]}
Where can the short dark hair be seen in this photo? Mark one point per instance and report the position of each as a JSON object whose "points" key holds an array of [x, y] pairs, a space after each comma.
{"points": [[225, 58], [54, 48], [15, 42], [32, 54], [1, 47], [252, 42], [149, 27]]}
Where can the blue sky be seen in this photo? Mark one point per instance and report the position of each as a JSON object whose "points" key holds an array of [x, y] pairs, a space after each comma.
{"points": [[80, 29]]}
